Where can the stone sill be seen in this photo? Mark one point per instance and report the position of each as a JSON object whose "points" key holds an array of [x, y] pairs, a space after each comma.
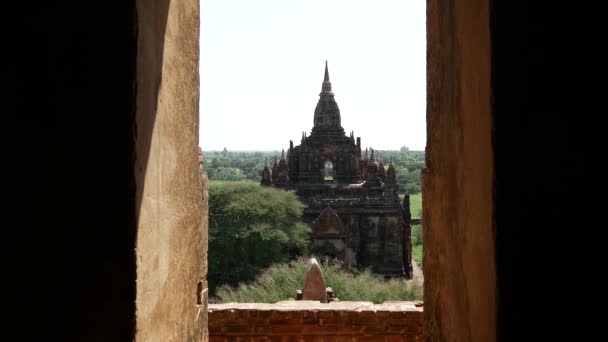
{"points": [[310, 305]]}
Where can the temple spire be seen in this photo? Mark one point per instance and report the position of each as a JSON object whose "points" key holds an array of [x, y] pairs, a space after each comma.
{"points": [[275, 170], [391, 176], [381, 171], [327, 113], [326, 89], [266, 177]]}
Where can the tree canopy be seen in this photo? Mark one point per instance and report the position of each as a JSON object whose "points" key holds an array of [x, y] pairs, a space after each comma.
{"points": [[251, 227]]}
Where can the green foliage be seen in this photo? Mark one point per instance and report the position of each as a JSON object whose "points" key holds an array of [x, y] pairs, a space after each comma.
{"points": [[251, 227], [227, 174], [408, 166], [281, 281], [408, 180], [416, 205], [417, 254], [250, 164], [416, 234], [222, 165]]}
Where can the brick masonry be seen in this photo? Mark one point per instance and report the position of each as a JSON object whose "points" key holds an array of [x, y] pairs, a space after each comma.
{"points": [[314, 321]]}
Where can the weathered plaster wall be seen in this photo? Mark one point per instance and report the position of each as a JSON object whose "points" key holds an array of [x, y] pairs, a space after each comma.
{"points": [[314, 321], [459, 254], [171, 203]]}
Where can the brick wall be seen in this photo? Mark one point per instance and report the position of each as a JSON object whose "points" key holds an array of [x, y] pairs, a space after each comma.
{"points": [[314, 321]]}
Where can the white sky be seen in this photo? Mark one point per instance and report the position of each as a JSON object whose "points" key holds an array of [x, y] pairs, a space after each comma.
{"points": [[262, 65]]}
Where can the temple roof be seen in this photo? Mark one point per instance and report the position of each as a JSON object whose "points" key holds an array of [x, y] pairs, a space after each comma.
{"points": [[327, 113]]}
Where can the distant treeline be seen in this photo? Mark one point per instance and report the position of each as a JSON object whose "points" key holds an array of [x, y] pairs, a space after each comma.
{"points": [[240, 165]]}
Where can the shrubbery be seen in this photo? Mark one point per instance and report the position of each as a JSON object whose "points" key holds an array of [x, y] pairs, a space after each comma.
{"points": [[281, 281]]}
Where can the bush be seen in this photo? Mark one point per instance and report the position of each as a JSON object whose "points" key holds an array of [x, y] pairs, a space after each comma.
{"points": [[281, 281], [251, 227]]}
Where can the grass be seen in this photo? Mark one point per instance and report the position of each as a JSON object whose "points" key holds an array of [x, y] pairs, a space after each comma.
{"points": [[417, 243], [415, 205], [417, 254], [416, 234], [281, 281], [416, 210]]}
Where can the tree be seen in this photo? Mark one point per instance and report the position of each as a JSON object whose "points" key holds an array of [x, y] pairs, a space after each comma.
{"points": [[251, 227], [228, 174], [220, 161]]}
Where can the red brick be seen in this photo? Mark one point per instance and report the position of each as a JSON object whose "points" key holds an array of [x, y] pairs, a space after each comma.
{"points": [[398, 318], [312, 338], [237, 328], [344, 339], [399, 329], [310, 317], [263, 316], [286, 329], [280, 318], [370, 338], [299, 325], [394, 338], [364, 318], [328, 317], [259, 339], [375, 329], [382, 316]]}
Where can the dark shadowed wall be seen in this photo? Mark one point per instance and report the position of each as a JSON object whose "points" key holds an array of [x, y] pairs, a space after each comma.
{"points": [[106, 173], [459, 267]]}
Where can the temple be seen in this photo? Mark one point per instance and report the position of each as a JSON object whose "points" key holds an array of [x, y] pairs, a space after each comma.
{"points": [[352, 201]]}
